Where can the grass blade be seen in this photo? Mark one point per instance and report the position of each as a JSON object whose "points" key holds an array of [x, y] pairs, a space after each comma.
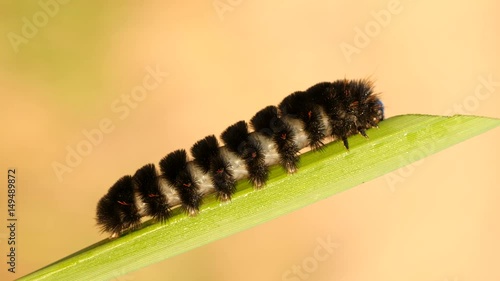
{"points": [[399, 141]]}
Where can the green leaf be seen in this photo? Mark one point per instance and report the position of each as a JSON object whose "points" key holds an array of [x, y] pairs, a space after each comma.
{"points": [[397, 142]]}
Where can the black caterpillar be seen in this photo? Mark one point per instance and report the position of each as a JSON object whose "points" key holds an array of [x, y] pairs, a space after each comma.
{"points": [[305, 118]]}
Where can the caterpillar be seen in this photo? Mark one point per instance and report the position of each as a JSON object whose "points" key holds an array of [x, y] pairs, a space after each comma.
{"points": [[326, 111]]}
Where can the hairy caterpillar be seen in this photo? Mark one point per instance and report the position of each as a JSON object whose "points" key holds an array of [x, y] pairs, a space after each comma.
{"points": [[327, 110]]}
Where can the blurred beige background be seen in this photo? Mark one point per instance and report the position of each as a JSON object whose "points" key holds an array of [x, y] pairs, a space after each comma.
{"points": [[79, 61]]}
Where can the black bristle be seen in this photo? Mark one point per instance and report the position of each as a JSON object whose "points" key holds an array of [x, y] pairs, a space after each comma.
{"points": [[321, 93], [336, 109], [299, 105], [149, 189], [350, 105], [222, 178], [237, 139], [267, 122], [172, 164], [346, 113], [174, 168], [206, 153], [287, 149], [365, 105], [109, 218], [258, 172], [235, 136], [204, 150], [117, 210]]}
